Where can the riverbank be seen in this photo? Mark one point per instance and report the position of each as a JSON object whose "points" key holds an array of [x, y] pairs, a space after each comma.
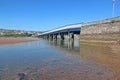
{"points": [[109, 40], [102, 33], [11, 40]]}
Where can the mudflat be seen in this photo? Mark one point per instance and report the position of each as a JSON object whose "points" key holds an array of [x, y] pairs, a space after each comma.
{"points": [[14, 40]]}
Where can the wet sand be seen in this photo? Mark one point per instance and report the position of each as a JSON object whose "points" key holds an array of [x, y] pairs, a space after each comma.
{"points": [[15, 40], [104, 52]]}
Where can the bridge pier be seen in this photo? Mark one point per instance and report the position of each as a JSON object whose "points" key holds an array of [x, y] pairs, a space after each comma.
{"points": [[59, 36], [55, 37], [70, 36], [62, 36], [51, 37]]}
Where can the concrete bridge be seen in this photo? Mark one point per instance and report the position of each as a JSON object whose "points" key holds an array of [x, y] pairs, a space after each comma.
{"points": [[68, 31], [89, 29]]}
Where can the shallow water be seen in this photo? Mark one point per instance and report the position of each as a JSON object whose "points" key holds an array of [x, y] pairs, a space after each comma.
{"points": [[57, 60]]}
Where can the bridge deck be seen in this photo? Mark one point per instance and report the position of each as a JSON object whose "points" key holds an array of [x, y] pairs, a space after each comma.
{"points": [[65, 29]]}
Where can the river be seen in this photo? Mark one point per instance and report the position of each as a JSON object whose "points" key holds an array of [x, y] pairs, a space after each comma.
{"points": [[58, 60]]}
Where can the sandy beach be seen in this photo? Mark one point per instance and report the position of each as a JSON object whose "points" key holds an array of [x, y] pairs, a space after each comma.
{"points": [[15, 40]]}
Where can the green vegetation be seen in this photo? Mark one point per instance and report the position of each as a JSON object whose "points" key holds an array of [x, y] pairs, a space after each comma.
{"points": [[16, 35]]}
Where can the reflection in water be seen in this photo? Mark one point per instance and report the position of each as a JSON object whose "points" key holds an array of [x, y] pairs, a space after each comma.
{"points": [[70, 47], [55, 60], [70, 44], [103, 55]]}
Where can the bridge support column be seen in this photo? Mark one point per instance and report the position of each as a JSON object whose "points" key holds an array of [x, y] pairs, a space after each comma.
{"points": [[55, 37], [50, 37], [68, 35], [58, 36], [72, 36], [62, 36]]}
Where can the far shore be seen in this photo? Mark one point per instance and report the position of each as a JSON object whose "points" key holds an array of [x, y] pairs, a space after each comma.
{"points": [[12, 40]]}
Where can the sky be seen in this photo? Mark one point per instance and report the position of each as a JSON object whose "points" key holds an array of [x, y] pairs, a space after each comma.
{"points": [[42, 15]]}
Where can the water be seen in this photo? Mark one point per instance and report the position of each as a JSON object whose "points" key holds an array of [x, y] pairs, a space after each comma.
{"points": [[54, 60]]}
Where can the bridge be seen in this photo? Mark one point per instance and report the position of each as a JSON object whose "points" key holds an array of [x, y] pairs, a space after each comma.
{"points": [[67, 31]]}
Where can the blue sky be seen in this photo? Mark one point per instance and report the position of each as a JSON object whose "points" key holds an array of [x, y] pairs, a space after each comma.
{"points": [[42, 15]]}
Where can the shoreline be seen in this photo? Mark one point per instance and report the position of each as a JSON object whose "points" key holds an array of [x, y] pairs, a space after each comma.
{"points": [[12, 40], [111, 40], [112, 44], [102, 39]]}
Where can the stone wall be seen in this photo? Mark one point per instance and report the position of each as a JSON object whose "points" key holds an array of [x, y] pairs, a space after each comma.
{"points": [[102, 27]]}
